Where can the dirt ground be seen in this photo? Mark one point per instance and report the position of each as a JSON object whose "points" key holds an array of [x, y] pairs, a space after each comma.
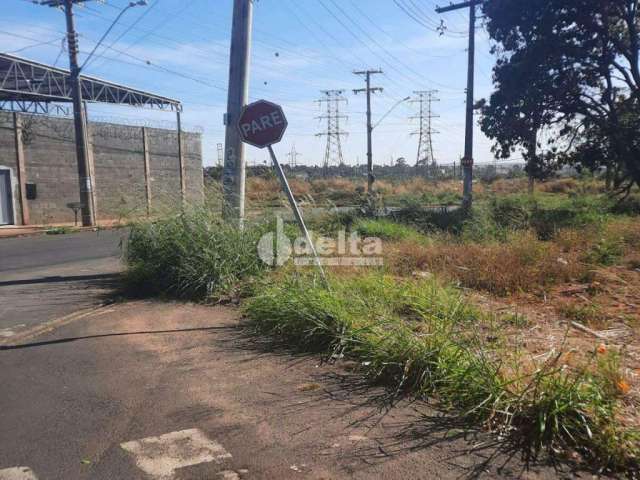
{"points": [[581, 320], [134, 370]]}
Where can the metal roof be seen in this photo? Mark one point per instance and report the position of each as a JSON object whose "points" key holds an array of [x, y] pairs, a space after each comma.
{"points": [[24, 82]]}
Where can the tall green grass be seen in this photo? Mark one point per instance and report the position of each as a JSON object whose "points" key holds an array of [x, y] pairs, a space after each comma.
{"points": [[387, 230], [192, 255], [497, 216], [423, 338]]}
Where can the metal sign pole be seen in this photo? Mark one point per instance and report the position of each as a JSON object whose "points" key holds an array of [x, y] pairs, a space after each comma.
{"points": [[296, 212]]}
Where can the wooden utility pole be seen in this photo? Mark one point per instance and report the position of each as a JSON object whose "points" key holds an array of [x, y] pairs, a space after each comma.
{"points": [[467, 160], [233, 173], [369, 90]]}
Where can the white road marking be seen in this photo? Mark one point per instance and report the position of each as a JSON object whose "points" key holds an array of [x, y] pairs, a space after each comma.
{"points": [[160, 456], [17, 473], [229, 475], [9, 332]]}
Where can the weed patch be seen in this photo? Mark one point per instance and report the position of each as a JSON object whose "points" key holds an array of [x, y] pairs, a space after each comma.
{"points": [[522, 264], [423, 338], [191, 255], [387, 230]]}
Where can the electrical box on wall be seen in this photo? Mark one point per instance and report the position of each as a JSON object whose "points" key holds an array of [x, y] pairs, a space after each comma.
{"points": [[32, 191]]}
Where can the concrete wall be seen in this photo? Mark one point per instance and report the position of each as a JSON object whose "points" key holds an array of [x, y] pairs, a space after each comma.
{"points": [[118, 165]]}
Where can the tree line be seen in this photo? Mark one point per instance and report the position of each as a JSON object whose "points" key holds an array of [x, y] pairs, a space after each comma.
{"points": [[567, 86]]}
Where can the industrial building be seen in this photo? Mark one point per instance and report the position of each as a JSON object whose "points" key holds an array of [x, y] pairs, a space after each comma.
{"points": [[134, 170]]}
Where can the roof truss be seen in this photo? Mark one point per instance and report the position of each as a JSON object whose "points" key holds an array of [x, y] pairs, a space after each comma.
{"points": [[23, 81]]}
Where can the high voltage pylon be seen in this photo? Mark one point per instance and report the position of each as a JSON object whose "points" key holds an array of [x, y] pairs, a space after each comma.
{"points": [[333, 151], [293, 156], [220, 154], [425, 132]]}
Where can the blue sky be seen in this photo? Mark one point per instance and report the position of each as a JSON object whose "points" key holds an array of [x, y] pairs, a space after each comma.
{"points": [[180, 48]]}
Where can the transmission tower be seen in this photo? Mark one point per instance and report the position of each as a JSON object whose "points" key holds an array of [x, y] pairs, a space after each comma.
{"points": [[333, 151], [293, 156], [220, 155], [425, 132]]}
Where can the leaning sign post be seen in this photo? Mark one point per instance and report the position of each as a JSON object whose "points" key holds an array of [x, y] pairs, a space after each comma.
{"points": [[262, 124]]}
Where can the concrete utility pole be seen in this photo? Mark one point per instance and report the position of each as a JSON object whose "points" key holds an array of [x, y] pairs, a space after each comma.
{"points": [[369, 90], [79, 114], [467, 160], [233, 173], [79, 120]]}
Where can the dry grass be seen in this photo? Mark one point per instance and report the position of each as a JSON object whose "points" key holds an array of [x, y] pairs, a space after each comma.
{"points": [[262, 190], [524, 264], [508, 186], [571, 185], [417, 186]]}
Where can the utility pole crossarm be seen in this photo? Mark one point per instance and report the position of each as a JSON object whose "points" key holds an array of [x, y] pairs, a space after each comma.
{"points": [[364, 90], [364, 72], [58, 3], [458, 6]]}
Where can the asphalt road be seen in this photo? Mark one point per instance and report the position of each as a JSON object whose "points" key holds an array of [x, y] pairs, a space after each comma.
{"points": [[148, 390], [49, 276], [162, 391]]}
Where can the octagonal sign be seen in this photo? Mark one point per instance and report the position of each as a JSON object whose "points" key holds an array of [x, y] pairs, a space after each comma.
{"points": [[262, 124]]}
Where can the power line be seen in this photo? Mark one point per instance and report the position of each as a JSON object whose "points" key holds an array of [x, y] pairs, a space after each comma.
{"points": [[38, 44], [133, 25]]}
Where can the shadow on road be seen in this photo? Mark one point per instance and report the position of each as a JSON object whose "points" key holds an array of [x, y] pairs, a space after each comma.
{"points": [[106, 335], [105, 279], [397, 423]]}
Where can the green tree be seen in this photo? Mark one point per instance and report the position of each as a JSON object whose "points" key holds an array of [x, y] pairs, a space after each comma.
{"points": [[570, 67]]}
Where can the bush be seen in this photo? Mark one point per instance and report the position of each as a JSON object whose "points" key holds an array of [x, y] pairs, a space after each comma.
{"points": [[606, 252], [627, 206], [547, 215], [429, 220], [190, 255]]}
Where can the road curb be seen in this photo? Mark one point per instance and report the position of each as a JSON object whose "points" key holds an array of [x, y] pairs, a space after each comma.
{"points": [[42, 231], [50, 326]]}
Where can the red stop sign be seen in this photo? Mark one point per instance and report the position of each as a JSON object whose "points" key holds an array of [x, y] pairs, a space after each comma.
{"points": [[262, 124]]}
